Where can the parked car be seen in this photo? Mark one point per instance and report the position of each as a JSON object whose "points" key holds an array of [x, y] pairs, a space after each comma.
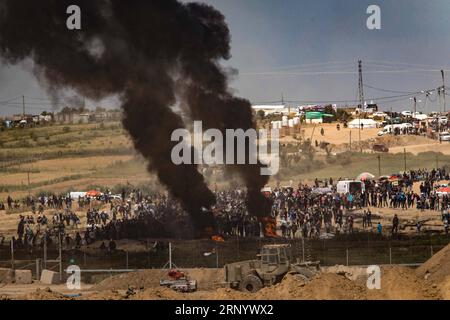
{"points": [[407, 113], [443, 120], [380, 115], [379, 147]]}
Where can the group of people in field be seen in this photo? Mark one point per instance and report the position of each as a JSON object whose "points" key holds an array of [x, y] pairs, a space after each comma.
{"points": [[298, 212], [303, 212]]}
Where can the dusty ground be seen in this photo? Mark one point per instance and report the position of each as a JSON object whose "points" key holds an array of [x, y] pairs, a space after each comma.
{"points": [[430, 281], [337, 283]]}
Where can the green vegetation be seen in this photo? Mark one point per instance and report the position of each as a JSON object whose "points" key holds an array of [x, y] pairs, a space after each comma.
{"points": [[350, 164]]}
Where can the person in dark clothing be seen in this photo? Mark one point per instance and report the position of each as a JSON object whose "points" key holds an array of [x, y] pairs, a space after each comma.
{"points": [[395, 222], [112, 246], [78, 240], [10, 201], [21, 227]]}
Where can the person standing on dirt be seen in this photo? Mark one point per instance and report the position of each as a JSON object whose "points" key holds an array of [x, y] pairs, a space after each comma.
{"points": [[322, 132], [10, 201], [350, 224], [380, 228], [395, 222], [21, 228]]}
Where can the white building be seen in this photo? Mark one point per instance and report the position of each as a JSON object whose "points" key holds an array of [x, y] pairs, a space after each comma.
{"points": [[271, 109]]}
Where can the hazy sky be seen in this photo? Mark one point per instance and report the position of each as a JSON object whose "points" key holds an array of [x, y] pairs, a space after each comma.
{"points": [[307, 51]]}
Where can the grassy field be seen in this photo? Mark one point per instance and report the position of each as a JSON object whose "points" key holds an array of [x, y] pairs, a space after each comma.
{"points": [[351, 164], [60, 158]]}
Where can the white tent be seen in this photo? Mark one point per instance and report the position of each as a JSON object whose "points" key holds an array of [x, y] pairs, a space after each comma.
{"points": [[367, 123]]}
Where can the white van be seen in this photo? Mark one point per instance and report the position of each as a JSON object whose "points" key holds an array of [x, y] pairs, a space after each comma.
{"points": [[75, 195], [350, 186], [390, 128]]}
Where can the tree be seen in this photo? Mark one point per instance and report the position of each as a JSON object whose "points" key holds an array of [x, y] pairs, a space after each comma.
{"points": [[330, 110], [343, 115], [261, 114]]}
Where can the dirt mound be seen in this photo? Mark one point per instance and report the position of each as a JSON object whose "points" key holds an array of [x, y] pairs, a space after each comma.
{"points": [[160, 293], [445, 288], [43, 294], [337, 283], [437, 271], [399, 283], [437, 268], [323, 286], [106, 295], [390, 141], [402, 140], [207, 279]]}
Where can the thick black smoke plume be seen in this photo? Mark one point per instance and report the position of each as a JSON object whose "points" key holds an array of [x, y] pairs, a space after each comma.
{"points": [[143, 51]]}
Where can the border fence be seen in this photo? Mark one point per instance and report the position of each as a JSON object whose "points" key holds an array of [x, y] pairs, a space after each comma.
{"points": [[154, 254]]}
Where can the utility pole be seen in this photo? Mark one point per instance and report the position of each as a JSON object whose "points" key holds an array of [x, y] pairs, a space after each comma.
{"points": [[443, 88], [350, 140], [415, 106], [360, 97], [23, 107], [28, 182]]}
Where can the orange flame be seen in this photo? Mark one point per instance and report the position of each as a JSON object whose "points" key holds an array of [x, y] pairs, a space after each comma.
{"points": [[270, 227], [217, 239]]}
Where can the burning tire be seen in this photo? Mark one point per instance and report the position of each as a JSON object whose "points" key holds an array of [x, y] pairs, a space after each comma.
{"points": [[251, 284]]}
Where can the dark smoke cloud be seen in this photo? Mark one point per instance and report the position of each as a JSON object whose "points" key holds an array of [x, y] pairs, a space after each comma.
{"points": [[146, 52]]}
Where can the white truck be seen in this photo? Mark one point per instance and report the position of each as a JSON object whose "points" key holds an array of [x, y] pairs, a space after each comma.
{"points": [[350, 186]]}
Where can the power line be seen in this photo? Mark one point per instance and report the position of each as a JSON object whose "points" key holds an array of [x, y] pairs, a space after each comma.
{"points": [[308, 66], [387, 90], [309, 73], [401, 64], [11, 99]]}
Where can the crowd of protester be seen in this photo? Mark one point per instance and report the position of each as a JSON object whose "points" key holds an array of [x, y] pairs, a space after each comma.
{"points": [[305, 211]]}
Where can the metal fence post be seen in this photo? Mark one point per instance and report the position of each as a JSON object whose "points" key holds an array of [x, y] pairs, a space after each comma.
{"points": [[12, 254], [303, 249], [390, 255], [217, 258], [37, 268], [346, 253], [60, 256], [126, 257], [431, 248], [45, 251]]}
